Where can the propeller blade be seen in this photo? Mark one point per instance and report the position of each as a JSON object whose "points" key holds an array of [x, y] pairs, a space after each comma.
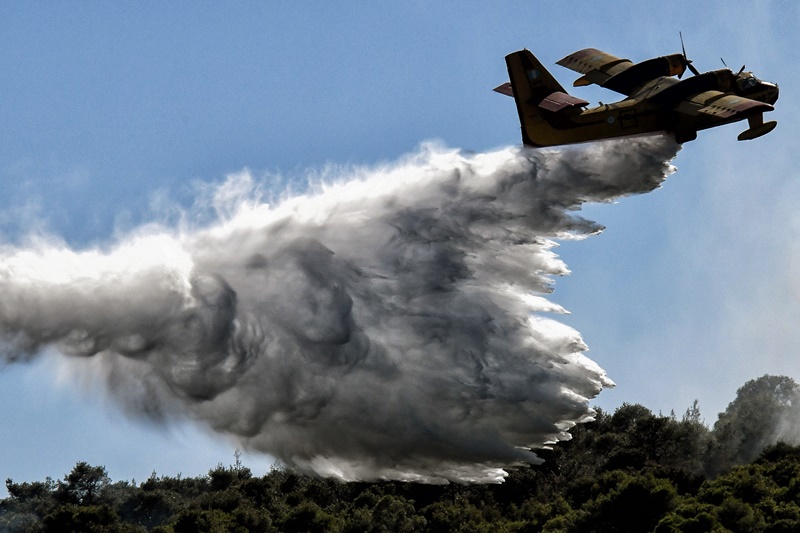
{"points": [[729, 68], [686, 60]]}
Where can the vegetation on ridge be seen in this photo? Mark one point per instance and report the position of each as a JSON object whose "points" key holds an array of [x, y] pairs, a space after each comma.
{"points": [[628, 471]]}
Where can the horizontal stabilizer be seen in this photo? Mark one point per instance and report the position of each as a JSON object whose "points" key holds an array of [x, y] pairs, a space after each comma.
{"points": [[557, 101], [505, 89]]}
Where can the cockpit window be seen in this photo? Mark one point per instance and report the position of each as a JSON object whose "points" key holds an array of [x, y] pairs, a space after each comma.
{"points": [[748, 83]]}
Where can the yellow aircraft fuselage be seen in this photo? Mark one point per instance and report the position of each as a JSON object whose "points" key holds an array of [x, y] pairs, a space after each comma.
{"points": [[549, 116]]}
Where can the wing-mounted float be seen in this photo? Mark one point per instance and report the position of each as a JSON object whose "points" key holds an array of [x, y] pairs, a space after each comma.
{"points": [[658, 99]]}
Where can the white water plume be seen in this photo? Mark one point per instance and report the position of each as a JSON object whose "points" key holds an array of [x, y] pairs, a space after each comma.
{"points": [[387, 326]]}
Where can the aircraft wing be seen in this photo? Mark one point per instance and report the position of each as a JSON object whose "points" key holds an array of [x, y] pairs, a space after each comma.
{"points": [[595, 65], [721, 106], [621, 75]]}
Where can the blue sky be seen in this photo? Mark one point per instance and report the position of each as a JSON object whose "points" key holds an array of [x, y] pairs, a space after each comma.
{"points": [[110, 112]]}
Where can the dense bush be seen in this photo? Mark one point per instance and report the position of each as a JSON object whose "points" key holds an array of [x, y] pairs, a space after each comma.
{"points": [[627, 472]]}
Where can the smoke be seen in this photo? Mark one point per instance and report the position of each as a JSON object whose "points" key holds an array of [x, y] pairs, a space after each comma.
{"points": [[763, 413], [390, 325]]}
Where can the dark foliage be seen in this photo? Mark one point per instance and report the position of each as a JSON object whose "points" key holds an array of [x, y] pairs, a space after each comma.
{"points": [[627, 472]]}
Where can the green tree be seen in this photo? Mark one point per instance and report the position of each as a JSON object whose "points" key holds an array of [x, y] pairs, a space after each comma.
{"points": [[628, 503], [84, 518], [203, 521], [83, 485], [308, 517]]}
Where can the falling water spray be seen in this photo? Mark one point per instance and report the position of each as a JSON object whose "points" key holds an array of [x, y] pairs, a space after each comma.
{"points": [[391, 324]]}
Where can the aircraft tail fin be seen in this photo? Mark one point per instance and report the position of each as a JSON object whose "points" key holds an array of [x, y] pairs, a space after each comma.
{"points": [[530, 80], [541, 100]]}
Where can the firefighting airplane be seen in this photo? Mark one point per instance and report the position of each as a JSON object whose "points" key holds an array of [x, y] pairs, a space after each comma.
{"points": [[655, 101]]}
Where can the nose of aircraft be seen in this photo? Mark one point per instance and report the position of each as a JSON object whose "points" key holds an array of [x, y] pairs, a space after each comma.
{"points": [[771, 92]]}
